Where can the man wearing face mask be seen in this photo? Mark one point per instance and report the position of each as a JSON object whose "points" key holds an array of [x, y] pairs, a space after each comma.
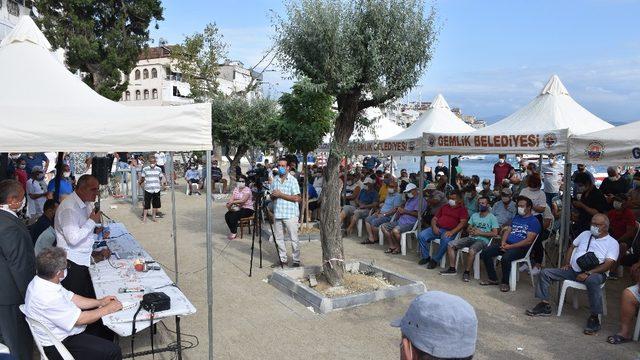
{"points": [[440, 167], [192, 176], [448, 222], [37, 193], [589, 201], [581, 169], [614, 184], [505, 209], [502, 169], [406, 217], [486, 191], [17, 268], [66, 314], [623, 228], [285, 192], [21, 174], [552, 178], [516, 240], [384, 214], [66, 184], [598, 241]]}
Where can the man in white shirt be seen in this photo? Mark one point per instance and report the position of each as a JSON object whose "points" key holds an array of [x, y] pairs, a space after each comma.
{"points": [[151, 179], [66, 314], [552, 178], [37, 193], [605, 248], [75, 225], [161, 160]]}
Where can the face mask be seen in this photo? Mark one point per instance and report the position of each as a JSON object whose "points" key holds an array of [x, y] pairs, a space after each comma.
{"points": [[22, 166], [292, 173], [240, 184], [579, 196], [153, 165], [518, 158], [613, 178], [349, 182], [595, 231], [40, 177], [193, 168], [64, 275], [506, 199], [282, 170], [66, 174], [391, 191], [617, 205], [452, 203], [410, 195], [496, 193], [501, 161], [522, 211], [483, 208], [440, 164], [486, 186]]}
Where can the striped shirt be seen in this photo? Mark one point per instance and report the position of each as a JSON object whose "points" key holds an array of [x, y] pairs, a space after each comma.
{"points": [[284, 209], [152, 177]]}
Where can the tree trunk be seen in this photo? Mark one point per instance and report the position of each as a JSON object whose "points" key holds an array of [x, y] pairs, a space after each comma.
{"points": [[305, 192], [240, 151], [330, 234]]}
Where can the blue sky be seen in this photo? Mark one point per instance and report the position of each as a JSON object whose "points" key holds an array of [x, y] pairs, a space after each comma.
{"points": [[492, 57]]}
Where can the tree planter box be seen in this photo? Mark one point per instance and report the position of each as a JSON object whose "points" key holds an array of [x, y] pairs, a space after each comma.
{"points": [[287, 281]]}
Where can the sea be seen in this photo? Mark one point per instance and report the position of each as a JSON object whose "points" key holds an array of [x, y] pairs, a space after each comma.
{"points": [[481, 167]]}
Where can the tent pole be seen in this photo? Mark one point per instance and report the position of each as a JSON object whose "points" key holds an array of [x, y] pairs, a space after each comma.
{"points": [[420, 192], [393, 170], [174, 224], [209, 215], [540, 164], [134, 187], [565, 216]]}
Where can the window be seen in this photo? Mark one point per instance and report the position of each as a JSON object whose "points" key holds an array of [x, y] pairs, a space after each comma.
{"points": [[12, 8], [146, 94], [145, 74], [137, 94], [154, 73], [127, 96], [137, 76], [154, 94]]}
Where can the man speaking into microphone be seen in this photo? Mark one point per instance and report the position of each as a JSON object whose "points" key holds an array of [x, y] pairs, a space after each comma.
{"points": [[75, 226]]}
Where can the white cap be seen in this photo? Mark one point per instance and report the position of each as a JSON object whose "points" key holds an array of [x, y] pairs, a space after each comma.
{"points": [[410, 186]]}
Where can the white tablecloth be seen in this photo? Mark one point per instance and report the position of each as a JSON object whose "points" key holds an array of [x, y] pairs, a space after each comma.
{"points": [[110, 275]]}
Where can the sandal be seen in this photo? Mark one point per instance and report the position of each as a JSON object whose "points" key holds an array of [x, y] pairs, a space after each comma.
{"points": [[368, 242], [488, 283], [504, 287], [390, 251], [395, 252], [617, 339]]}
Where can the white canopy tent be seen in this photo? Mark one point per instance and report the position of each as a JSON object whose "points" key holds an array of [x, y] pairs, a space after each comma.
{"points": [[437, 118], [45, 107], [43, 104], [541, 126], [618, 145]]}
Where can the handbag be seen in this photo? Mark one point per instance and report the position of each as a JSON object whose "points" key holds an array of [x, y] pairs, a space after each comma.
{"points": [[589, 260]]}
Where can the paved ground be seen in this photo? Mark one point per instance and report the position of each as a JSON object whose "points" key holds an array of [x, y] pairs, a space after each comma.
{"points": [[252, 320]]}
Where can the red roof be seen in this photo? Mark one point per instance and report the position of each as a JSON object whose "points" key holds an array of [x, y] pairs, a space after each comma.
{"points": [[155, 52]]}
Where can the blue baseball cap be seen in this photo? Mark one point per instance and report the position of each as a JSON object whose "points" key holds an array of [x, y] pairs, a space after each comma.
{"points": [[440, 324]]}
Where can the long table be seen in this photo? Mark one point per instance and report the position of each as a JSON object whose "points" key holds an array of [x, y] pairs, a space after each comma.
{"points": [[108, 276]]}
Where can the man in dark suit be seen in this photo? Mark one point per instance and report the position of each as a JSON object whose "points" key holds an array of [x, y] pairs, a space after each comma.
{"points": [[17, 269]]}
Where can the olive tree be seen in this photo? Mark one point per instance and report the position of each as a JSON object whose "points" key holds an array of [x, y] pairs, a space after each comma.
{"points": [[364, 53]]}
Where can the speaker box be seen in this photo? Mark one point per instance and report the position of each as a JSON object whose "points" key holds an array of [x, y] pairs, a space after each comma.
{"points": [[101, 168]]}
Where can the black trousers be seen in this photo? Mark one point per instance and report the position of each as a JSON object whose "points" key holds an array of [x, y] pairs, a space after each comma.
{"points": [[15, 333], [233, 218], [85, 346], [508, 256], [78, 281]]}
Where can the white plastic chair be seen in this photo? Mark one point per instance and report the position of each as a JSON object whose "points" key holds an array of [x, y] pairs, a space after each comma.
{"points": [[4, 349], [580, 286], [36, 325], [403, 238], [515, 274], [381, 234], [361, 223], [443, 261], [476, 261]]}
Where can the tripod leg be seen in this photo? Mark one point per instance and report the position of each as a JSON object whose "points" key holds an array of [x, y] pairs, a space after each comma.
{"points": [[253, 242], [260, 237], [275, 242]]}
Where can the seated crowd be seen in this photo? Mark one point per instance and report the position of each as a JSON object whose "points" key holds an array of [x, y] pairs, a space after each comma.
{"points": [[508, 222]]}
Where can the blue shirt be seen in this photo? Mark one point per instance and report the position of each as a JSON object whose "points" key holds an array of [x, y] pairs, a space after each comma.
{"points": [[65, 186], [391, 202], [311, 191], [367, 197], [282, 208], [38, 160], [520, 226]]}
